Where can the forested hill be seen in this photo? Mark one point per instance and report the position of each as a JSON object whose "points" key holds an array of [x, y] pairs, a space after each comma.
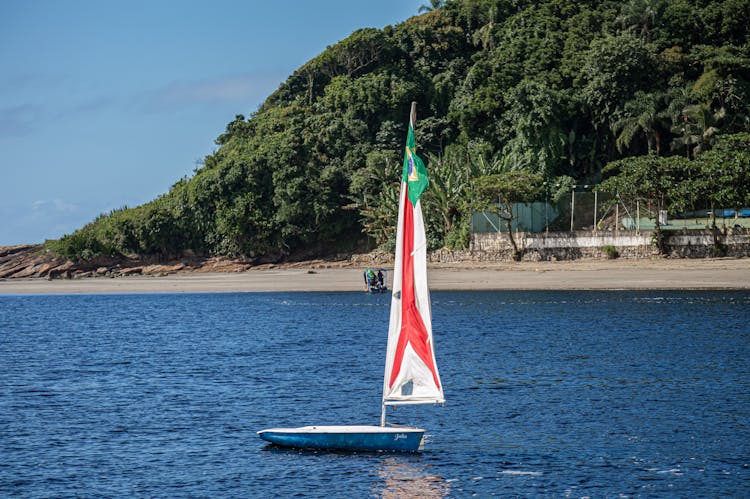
{"points": [[560, 88]]}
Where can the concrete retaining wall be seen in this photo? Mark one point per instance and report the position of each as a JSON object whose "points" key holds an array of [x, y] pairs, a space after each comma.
{"points": [[585, 244]]}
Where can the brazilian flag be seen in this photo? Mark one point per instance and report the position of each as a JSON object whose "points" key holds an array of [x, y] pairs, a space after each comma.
{"points": [[415, 173]]}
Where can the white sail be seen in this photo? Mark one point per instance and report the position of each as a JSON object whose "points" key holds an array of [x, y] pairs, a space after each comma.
{"points": [[411, 373]]}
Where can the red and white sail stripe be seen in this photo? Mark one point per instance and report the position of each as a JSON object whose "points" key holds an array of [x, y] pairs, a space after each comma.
{"points": [[411, 373]]}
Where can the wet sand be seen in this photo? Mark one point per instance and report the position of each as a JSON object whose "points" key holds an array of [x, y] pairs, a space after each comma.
{"points": [[722, 273]]}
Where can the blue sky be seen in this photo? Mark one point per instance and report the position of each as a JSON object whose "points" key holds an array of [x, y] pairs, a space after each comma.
{"points": [[105, 104]]}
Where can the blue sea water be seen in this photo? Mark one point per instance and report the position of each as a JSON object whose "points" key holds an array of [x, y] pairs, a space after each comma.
{"points": [[559, 394]]}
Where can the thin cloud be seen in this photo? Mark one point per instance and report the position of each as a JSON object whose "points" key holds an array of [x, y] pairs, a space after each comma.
{"points": [[33, 81], [238, 89], [24, 119], [40, 220], [94, 105], [51, 206], [18, 121]]}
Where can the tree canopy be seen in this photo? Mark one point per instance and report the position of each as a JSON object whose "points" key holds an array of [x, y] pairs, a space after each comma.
{"points": [[550, 87]]}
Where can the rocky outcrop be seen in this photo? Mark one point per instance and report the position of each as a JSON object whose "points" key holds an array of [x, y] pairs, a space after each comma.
{"points": [[29, 261], [34, 261]]}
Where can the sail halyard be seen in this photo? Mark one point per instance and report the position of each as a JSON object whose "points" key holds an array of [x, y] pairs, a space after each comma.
{"points": [[411, 374]]}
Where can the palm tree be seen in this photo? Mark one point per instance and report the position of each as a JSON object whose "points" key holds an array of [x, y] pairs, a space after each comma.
{"points": [[697, 129], [433, 5], [380, 214], [378, 204], [640, 14], [449, 184], [485, 35], [643, 115]]}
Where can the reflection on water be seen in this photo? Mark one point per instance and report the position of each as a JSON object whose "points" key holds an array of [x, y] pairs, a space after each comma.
{"points": [[404, 479]]}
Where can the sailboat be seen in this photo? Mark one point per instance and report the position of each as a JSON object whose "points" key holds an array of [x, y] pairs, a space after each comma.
{"points": [[411, 374]]}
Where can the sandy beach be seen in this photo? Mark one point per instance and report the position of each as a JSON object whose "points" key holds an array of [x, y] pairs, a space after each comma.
{"points": [[722, 273]]}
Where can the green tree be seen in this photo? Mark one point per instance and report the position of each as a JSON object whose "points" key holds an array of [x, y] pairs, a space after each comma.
{"points": [[614, 69], [497, 194], [723, 178], [651, 178], [537, 138], [725, 171]]}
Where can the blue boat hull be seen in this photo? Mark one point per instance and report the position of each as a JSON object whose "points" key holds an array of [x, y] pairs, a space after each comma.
{"points": [[347, 438]]}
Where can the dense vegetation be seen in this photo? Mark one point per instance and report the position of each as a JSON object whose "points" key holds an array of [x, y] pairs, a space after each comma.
{"points": [[549, 87]]}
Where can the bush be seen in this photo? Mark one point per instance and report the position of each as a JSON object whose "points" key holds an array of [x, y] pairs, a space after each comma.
{"points": [[720, 250], [610, 252]]}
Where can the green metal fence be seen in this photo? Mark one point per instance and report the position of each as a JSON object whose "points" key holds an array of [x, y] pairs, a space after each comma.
{"points": [[528, 217], [597, 211]]}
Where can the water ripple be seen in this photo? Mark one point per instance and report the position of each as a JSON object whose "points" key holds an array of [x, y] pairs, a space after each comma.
{"points": [[600, 394]]}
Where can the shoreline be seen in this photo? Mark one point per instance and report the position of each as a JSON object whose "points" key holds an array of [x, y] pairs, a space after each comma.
{"points": [[621, 274]]}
